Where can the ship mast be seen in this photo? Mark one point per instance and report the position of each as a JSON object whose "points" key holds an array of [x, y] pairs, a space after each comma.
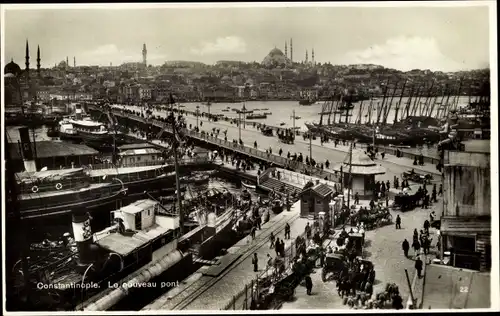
{"points": [[379, 110], [175, 145], [389, 105], [398, 105]]}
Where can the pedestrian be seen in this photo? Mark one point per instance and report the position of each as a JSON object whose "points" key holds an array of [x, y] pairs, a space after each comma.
{"points": [[419, 266], [287, 231], [387, 200], [406, 247], [308, 231], [440, 193], [416, 246], [282, 248], [415, 234], [309, 284], [252, 232], [426, 226], [255, 262], [356, 198], [398, 222], [382, 154], [269, 262], [387, 185], [277, 245], [272, 239]]}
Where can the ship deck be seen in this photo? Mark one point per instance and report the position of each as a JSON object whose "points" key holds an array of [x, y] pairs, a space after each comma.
{"points": [[54, 193], [122, 170], [124, 245]]}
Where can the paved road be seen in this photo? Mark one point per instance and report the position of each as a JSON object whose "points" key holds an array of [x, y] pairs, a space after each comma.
{"points": [[383, 248]]}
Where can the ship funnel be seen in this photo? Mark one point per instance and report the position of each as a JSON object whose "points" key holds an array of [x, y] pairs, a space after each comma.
{"points": [[78, 112], [83, 237], [27, 150]]}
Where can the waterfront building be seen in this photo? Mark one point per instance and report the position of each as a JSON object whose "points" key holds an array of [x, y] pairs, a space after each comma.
{"points": [[466, 217]]}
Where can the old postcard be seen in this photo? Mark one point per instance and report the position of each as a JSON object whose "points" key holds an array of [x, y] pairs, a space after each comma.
{"points": [[249, 157]]}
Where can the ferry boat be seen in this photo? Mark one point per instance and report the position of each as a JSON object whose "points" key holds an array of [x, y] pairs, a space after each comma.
{"points": [[82, 127], [256, 116], [55, 192]]}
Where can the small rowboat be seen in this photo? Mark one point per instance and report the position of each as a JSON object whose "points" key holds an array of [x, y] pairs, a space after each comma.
{"points": [[248, 186]]}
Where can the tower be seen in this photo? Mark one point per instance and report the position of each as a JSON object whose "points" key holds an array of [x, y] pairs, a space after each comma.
{"points": [[312, 56], [286, 51], [74, 61], [291, 50], [307, 57], [67, 62], [144, 54], [27, 57], [38, 66]]}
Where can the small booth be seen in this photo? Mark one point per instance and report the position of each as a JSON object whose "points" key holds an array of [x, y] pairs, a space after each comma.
{"points": [[363, 171], [315, 199]]}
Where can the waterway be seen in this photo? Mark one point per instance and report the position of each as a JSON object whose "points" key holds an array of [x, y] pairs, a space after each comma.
{"points": [[282, 111]]}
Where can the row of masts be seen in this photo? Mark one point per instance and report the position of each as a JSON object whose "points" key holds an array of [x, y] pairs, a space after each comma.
{"points": [[421, 101]]}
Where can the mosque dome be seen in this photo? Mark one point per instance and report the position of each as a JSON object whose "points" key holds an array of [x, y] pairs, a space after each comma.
{"points": [[275, 58], [12, 68]]}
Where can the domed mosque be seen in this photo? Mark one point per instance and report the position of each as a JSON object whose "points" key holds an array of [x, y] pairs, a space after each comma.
{"points": [[276, 58], [12, 69]]}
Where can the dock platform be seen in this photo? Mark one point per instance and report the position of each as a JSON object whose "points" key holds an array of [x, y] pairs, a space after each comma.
{"points": [[204, 292]]}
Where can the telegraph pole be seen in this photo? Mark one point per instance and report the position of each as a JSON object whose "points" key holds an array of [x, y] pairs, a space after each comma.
{"points": [[349, 177], [310, 146], [197, 114], [239, 125]]}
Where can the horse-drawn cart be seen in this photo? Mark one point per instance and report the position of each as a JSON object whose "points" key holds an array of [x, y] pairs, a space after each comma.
{"points": [[416, 177], [375, 218]]}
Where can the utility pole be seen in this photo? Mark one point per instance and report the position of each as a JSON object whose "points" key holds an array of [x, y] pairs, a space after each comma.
{"points": [[239, 125], [197, 114], [310, 146], [349, 177]]}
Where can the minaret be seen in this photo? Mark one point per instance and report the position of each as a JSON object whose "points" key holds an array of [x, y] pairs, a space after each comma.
{"points": [[312, 56], [38, 66], [144, 54], [307, 57], [67, 62], [291, 50], [286, 51], [27, 57], [74, 61]]}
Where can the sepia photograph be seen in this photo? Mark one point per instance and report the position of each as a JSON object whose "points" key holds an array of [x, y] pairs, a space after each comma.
{"points": [[249, 157]]}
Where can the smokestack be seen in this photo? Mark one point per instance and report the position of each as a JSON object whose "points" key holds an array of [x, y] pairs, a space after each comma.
{"points": [[27, 150], [78, 112], [83, 237]]}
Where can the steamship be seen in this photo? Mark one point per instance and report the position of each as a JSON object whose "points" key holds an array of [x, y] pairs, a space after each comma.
{"points": [[82, 127], [55, 192]]}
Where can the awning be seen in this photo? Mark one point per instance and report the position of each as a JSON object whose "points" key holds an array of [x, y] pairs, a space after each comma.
{"points": [[464, 225]]}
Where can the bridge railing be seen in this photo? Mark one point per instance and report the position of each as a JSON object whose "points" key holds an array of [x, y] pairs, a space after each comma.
{"points": [[257, 153], [389, 150]]}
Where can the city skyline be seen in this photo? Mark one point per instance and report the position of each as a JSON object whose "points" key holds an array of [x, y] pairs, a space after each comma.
{"points": [[436, 38]]}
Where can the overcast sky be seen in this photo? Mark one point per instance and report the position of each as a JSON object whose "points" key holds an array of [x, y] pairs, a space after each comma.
{"points": [[445, 38]]}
